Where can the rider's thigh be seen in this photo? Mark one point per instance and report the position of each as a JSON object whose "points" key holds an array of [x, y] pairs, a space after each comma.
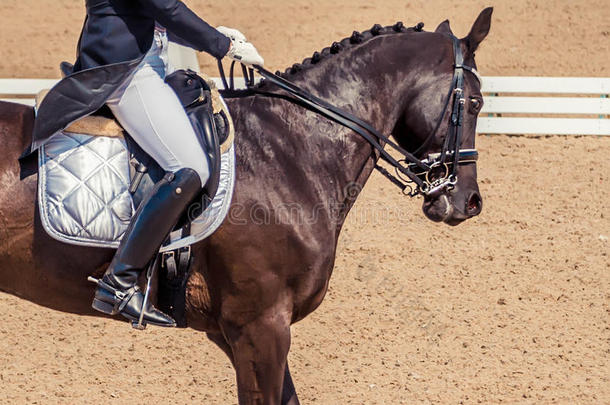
{"points": [[151, 113]]}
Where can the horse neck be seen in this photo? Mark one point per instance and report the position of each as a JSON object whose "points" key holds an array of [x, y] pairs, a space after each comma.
{"points": [[366, 80], [370, 81]]}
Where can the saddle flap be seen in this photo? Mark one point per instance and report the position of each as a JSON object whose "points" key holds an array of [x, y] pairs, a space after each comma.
{"points": [[197, 97]]}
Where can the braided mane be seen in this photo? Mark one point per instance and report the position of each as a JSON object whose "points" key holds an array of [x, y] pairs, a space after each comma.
{"points": [[357, 38]]}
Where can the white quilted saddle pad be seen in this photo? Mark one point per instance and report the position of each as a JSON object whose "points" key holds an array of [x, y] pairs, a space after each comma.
{"points": [[83, 192]]}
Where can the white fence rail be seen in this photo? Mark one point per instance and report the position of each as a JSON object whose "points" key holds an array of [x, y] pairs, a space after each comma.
{"points": [[547, 85], [582, 104], [24, 91], [546, 105], [585, 111]]}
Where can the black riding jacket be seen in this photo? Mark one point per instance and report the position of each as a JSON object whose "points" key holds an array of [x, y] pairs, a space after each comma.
{"points": [[116, 36]]}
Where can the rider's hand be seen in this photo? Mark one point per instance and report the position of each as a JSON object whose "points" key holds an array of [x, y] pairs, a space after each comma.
{"points": [[232, 33], [244, 52]]}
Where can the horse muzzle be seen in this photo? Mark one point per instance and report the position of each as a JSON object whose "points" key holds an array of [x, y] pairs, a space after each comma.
{"points": [[445, 207]]}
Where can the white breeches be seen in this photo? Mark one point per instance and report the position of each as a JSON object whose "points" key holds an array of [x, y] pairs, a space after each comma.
{"points": [[151, 113]]}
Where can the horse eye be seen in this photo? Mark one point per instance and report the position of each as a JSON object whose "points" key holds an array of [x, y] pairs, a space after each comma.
{"points": [[475, 104]]}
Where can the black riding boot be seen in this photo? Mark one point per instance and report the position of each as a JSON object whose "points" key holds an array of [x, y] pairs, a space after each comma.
{"points": [[117, 291]]}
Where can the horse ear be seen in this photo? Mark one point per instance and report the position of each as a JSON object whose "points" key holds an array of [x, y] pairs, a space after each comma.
{"points": [[479, 30], [444, 28]]}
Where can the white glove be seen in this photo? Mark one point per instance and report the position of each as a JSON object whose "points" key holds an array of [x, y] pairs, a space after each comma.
{"points": [[244, 52], [232, 33]]}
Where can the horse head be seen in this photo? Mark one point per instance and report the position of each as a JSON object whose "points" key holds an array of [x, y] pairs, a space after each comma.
{"points": [[426, 122]]}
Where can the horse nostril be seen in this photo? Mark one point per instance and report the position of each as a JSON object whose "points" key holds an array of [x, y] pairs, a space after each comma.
{"points": [[474, 204]]}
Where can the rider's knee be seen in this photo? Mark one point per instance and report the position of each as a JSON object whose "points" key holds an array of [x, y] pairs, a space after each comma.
{"points": [[202, 171]]}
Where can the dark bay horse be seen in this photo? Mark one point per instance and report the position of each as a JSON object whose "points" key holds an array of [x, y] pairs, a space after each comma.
{"points": [[298, 174]]}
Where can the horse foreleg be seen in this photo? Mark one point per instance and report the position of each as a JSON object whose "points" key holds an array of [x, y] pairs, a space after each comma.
{"points": [[289, 394], [259, 352], [221, 342]]}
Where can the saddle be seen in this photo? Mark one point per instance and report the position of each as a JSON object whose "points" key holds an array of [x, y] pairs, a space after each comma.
{"points": [[93, 176]]}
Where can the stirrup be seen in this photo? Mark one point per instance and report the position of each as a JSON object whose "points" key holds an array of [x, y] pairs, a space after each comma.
{"points": [[140, 325]]}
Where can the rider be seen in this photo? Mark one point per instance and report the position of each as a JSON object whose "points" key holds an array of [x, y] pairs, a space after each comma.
{"points": [[122, 61]]}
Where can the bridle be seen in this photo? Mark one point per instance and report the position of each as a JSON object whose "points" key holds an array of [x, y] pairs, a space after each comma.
{"points": [[440, 176], [427, 177]]}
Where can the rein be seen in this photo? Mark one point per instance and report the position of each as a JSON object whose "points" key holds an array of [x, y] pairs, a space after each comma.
{"points": [[414, 176]]}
